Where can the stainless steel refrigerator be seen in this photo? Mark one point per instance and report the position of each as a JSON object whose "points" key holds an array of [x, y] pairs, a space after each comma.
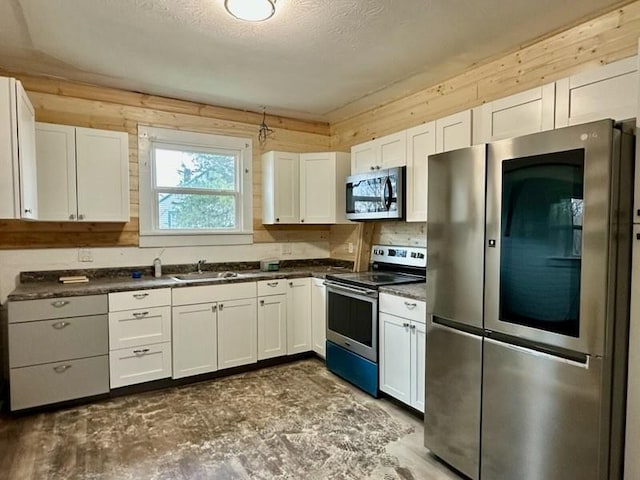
{"points": [[528, 244]]}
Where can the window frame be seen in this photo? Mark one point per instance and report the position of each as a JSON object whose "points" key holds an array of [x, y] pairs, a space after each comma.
{"points": [[151, 138]]}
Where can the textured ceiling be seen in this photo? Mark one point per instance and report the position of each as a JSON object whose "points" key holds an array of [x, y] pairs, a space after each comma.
{"points": [[315, 59]]}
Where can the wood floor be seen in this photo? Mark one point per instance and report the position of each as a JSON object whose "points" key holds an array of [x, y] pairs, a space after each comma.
{"points": [[294, 421]]}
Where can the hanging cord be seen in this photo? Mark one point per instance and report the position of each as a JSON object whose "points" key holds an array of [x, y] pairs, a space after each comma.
{"points": [[264, 131]]}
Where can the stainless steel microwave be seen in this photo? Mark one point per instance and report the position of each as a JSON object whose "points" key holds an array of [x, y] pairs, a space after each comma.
{"points": [[377, 195]]}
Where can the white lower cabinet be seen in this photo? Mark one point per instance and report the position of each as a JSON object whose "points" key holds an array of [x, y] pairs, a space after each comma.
{"points": [[195, 339], [139, 336], [402, 349], [237, 333], [272, 326], [299, 316], [319, 316]]}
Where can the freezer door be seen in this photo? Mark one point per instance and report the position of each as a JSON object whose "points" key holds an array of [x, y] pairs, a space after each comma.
{"points": [[541, 416], [551, 230], [452, 404], [455, 235]]}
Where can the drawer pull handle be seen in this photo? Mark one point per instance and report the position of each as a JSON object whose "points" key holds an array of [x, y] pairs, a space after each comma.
{"points": [[262, 303], [291, 284], [141, 351], [61, 368], [413, 327], [272, 284], [60, 303], [405, 325], [410, 305], [140, 314], [60, 325], [140, 296]]}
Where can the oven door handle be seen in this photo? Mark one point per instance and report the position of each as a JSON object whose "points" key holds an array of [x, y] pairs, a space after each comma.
{"points": [[353, 290]]}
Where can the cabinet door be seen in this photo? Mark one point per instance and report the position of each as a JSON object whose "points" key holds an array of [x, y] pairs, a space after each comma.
{"points": [[317, 188], [299, 316], [56, 165], [395, 357], [319, 315], [418, 357], [10, 178], [632, 460], [195, 339], [364, 157], [272, 326], [610, 91], [421, 142], [237, 333], [27, 154], [287, 188], [520, 114], [393, 150], [102, 158], [453, 132]]}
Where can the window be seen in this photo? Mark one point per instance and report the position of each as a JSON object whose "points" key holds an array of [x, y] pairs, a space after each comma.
{"points": [[195, 189]]}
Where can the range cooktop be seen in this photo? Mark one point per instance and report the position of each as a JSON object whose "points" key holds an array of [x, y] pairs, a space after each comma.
{"points": [[375, 279]]}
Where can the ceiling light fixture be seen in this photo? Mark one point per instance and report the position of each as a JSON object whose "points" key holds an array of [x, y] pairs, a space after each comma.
{"points": [[251, 10]]}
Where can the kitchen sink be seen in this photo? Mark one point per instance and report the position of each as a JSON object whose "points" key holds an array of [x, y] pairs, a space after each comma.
{"points": [[204, 276]]}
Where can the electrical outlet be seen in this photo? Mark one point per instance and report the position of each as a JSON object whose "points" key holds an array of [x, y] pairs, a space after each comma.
{"points": [[286, 249], [350, 247], [85, 255]]}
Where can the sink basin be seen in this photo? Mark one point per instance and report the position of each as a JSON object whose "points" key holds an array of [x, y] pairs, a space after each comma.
{"points": [[204, 276]]}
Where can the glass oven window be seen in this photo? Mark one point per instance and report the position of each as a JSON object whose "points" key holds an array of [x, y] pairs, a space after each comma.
{"points": [[351, 318], [541, 241]]}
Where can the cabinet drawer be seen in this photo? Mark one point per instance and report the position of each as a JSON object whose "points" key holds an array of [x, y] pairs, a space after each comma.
{"points": [[57, 382], [45, 341], [139, 299], [139, 327], [140, 364], [403, 307], [213, 293], [65, 307], [272, 287]]}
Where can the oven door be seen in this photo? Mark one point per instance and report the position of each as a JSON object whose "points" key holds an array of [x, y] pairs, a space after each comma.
{"points": [[375, 195], [352, 319]]}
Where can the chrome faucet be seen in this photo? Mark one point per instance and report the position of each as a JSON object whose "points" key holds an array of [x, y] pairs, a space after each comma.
{"points": [[200, 264]]}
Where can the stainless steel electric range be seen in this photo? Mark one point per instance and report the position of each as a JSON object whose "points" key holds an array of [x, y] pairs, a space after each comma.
{"points": [[352, 311]]}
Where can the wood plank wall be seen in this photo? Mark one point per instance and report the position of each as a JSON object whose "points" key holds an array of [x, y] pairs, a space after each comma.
{"points": [[71, 103], [604, 39]]}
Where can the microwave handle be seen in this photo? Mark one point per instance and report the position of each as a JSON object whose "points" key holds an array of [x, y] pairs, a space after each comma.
{"points": [[386, 199]]}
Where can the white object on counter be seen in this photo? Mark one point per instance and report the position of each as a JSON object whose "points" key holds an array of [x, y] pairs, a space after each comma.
{"points": [[157, 267]]}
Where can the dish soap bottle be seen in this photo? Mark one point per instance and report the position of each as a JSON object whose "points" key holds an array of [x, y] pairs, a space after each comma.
{"points": [[157, 267]]}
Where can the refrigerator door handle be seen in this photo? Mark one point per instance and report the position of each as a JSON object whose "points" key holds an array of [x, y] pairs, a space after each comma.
{"points": [[537, 353], [446, 324]]}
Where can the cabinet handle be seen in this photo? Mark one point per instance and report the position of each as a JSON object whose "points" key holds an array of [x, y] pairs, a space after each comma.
{"points": [[302, 220], [81, 216], [372, 167], [140, 314], [141, 351], [413, 327], [272, 284], [377, 167], [214, 308], [28, 210], [262, 303], [60, 325], [72, 217], [405, 325], [61, 368], [140, 296], [60, 303], [220, 306], [291, 284], [277, 219], [410, 305]]}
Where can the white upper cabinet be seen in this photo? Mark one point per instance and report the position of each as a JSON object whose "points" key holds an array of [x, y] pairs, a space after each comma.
{"points": [[304, 188], [84, 174], [610, 91], [421, 142], [453, 132], [363, 157], [526, 112], [280, 188], [384, 152], [322, 187], [18, 177]]}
